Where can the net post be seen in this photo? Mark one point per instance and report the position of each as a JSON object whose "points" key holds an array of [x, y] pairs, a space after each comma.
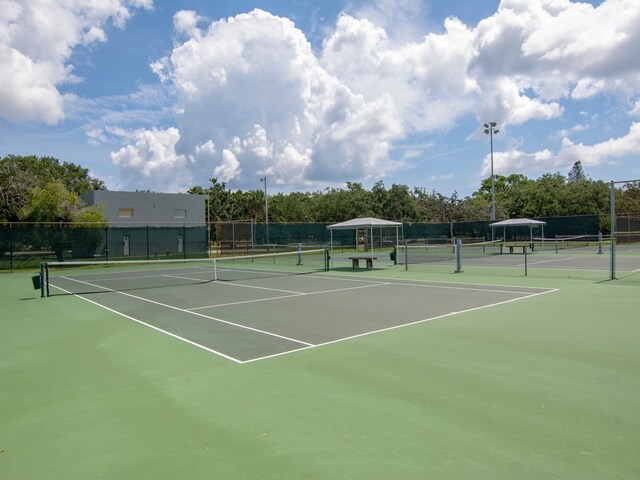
{"points": [[525, 261], [46, 279], [599, 243], [299, 253], [327, 258], [406, 256], [458, 251], [41, 280], [215, 270]]}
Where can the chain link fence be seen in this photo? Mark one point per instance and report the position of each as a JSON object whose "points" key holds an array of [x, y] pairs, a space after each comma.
{"points": [[25, 245]]}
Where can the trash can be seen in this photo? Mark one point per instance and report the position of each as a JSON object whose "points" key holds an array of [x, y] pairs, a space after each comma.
{"points": [[35, 279]]}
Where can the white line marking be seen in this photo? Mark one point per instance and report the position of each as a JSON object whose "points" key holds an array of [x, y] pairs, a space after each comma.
{"points": [[428, 284], [338, 276], [190, 342], [395, 327], [195, 313], [299, 294], [258, 288], [549, 261]]}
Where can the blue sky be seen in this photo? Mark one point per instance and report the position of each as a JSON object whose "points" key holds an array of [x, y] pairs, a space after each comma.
{"points": [[163, 95]]}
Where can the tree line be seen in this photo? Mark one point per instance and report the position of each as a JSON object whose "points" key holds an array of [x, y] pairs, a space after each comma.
{"points": [[516, 196], [42, 189]]}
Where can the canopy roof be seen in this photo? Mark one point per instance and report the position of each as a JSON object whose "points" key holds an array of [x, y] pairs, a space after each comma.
{"points": [[367, 222], [518, 222]]}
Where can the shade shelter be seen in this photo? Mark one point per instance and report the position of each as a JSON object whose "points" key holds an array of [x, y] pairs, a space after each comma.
{"points": [[367, 224], [518, 222]]}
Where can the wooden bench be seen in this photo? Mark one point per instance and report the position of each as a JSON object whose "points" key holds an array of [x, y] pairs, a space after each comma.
{"points": [[355, 261], [161, 253]]}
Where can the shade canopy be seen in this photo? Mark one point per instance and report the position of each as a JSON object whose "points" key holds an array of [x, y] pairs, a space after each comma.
{"points": [[367, 222], [518, 222]]}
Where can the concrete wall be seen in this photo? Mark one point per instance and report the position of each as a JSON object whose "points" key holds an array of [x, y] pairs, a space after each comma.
{"points": [[128, 208]]}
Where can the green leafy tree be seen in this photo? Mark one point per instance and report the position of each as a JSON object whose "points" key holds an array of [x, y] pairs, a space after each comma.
{"points": [[20, 174], [294, 207], [400, 205], [54, 203], [220, 204], [628, 199]]}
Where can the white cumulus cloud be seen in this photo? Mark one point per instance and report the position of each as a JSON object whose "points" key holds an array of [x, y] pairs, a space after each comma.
{"points": [[253, 86], [151, 159], [254, 98], [37, 38], [514, 160]]}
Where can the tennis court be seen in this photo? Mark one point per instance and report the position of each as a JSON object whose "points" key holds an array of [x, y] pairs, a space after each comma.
{"points": [[232, 369], [262, 310], [580, 257]]}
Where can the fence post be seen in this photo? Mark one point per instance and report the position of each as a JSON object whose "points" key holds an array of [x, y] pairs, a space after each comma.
{"points": [[106, 243], [10, 248]]}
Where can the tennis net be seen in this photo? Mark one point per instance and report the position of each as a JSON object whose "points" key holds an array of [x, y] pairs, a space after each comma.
{"points": [[269, 265], [413, 254], [85, 277], [566, 242]]}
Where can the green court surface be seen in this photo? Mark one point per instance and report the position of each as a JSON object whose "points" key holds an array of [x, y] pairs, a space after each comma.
{"points": [[368, 374]]}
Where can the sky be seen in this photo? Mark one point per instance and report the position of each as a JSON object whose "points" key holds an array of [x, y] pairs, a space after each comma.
{"points": [[163, 95]]}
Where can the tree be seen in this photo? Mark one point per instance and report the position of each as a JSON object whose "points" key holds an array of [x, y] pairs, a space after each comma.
{"points": [[294, 207], [628, 199], [54, 203], [400, 205], [576, 174], [220, 201], [20, 174]]}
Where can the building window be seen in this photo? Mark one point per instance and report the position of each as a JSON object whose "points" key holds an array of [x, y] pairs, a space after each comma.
{"points": [[177, 213], [125, 212]]}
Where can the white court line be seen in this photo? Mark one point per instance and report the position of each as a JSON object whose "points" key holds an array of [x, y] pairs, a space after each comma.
{"points": [[298, 294], [564, 259], [438, 283], [395, 327], [192, 313], [372, 283], [258, 287], [190, 342]]}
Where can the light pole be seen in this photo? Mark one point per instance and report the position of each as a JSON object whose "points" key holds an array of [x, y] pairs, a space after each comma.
{"points": [[266, 207], [490, 129]]}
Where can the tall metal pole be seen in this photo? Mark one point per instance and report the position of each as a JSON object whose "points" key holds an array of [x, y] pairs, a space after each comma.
{"points": [[266, 208], [612, 195], [490, 129]]}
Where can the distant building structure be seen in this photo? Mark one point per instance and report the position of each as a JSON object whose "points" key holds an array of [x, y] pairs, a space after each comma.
{"points": [[159, 209], [145, 225]]}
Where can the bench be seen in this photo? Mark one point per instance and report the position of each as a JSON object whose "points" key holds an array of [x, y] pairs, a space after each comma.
{"points": [[161, 253], [355, 261], [512, 246]]}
